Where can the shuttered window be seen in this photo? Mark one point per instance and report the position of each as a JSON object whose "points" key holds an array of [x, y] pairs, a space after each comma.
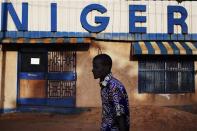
{"points": [[166, 76]]}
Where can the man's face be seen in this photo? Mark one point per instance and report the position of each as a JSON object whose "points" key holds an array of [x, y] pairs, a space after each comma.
{"points": [[98, 70]]}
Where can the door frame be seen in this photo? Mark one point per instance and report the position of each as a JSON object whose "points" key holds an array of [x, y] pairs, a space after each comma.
{"points": [[57, 102]]}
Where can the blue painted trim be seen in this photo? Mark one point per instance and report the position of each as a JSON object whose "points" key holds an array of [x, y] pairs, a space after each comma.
{"points": [[116, 36], [159, 36], [32, 101], [180, 37], [152, 36], [194, 36], [100, 36], [32, 75], [69, 101], [61, 76], [72, 34], [61, 102], [62, 110], [80, 40], [7, 110], [174, 37], [122, 36], [49, 76], [166, 37], [108, 36], [43, 34], [131, 37], [188, 37], [138, 37], [145, 37], [45, 109]]}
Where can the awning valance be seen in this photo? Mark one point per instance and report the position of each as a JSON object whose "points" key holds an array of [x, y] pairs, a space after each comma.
{"points": [[164, 48], [46, 40]]}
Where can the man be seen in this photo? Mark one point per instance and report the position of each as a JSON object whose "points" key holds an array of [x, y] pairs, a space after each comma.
{"points": [[115, 106]]}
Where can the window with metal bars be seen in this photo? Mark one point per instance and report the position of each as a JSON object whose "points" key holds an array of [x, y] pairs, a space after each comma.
{"points": [[166, 76]]}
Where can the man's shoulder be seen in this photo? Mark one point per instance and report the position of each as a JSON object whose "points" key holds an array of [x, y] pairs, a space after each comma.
{"points": [[115, 83]]}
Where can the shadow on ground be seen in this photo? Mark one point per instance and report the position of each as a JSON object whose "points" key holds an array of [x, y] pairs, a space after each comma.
{"points": [[143, 118], [187, 108]]}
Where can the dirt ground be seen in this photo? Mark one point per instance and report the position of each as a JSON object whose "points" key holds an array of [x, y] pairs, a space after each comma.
{"points": [[143, 118]]}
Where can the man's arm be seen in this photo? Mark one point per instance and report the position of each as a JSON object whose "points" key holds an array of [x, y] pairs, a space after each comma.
{"points": [[122, 123], [120, 116]]}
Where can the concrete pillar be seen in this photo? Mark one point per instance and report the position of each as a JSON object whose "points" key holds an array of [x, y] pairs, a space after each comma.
{"points": [[1, 78], [10, 81], [0, 74]]}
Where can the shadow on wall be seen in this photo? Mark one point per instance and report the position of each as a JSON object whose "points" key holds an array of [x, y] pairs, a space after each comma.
{"points": [[187, 108], [123, 69], [127, 71]]}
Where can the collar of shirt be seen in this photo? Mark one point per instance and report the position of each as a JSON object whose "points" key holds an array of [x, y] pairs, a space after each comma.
{"points": [[106, 80]]}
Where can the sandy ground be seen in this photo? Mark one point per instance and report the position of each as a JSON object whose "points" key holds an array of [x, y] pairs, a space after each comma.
{"points": [[143, 118]]}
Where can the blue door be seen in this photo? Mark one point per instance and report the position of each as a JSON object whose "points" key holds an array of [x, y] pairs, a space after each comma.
{"points": [[47, 78]]}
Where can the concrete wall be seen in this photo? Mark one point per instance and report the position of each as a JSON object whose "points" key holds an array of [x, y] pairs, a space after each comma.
{"points": [[10, 86], [88, 89]]}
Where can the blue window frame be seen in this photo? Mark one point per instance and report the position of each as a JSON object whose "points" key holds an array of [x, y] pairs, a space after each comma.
{"points": [[166, 76]]}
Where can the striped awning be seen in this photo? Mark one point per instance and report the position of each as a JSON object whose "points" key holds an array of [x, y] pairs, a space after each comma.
{"points": [[45, 40], [164, 48]]}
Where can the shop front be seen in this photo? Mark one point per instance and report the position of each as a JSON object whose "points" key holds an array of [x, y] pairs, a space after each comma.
{"points": [[47, 49], [45, 71]]}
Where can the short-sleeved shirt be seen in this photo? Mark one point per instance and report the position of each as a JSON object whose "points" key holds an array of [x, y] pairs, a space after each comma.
{"points": [[114, 103]]}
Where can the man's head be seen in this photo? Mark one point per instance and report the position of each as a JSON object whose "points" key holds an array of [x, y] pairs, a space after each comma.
{"points": [[102, 65]]}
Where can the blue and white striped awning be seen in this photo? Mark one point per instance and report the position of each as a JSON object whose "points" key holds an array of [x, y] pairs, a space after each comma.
{"points": [[164, 48]]}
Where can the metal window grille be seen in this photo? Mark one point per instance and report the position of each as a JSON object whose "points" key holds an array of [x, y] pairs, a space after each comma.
{"points": [[166, 76], [61, 61]]}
